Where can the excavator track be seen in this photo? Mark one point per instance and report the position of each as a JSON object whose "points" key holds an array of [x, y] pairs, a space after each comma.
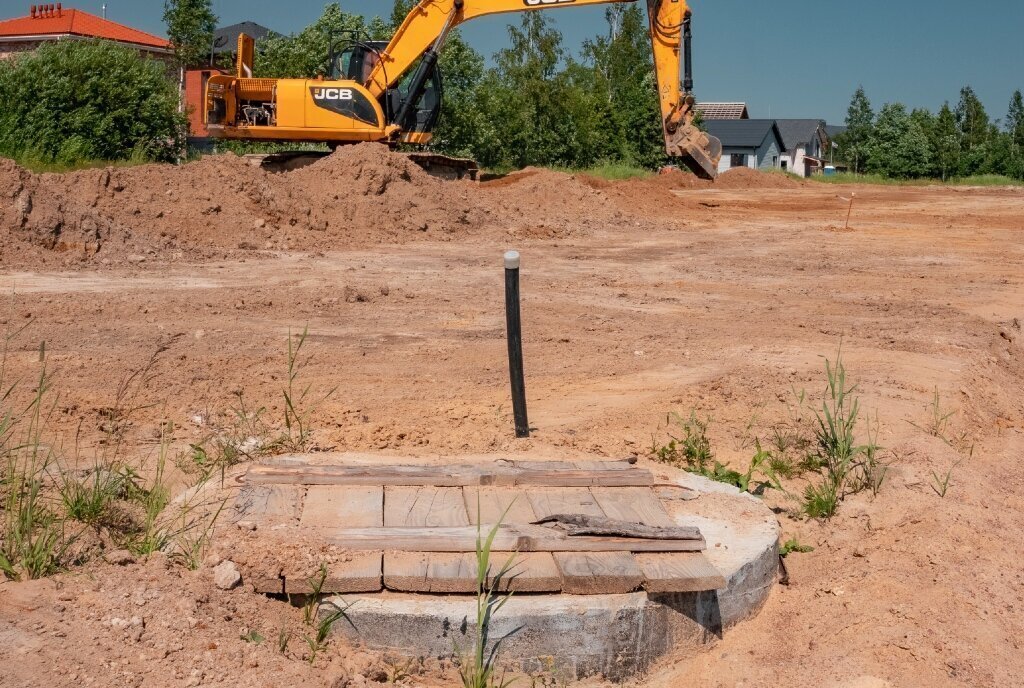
{"points": [[441, 166]]}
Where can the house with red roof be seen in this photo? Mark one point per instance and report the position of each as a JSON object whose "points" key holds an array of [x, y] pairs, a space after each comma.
{"points": [[52, 22]]}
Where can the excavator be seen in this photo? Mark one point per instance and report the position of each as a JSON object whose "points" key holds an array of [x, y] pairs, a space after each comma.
{"points": [[392, 92]]}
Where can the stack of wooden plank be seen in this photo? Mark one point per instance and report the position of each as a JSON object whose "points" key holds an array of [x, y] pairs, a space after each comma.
{"points": [[416, 528]]}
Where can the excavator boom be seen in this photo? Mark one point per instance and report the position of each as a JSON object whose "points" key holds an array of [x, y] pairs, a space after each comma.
{"points": [[424, 30], [391, 92]]}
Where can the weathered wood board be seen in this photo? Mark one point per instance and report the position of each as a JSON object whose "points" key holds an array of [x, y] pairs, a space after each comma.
{"points": [[679, 572], [415, 528], [445, 476]]}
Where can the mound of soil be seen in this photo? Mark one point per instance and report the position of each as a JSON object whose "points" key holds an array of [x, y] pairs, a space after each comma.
{"points": [[361, 194], [746, 178]]}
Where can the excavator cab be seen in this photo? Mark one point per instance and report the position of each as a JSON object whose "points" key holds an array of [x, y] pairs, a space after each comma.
{"points": [[356, 61]]}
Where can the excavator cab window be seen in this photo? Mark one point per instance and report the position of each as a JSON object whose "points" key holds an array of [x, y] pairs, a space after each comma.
{"points": [[356, 61], [423, 117]]}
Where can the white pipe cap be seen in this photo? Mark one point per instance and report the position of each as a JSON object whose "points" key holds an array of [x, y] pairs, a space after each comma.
{"points": [[512, 260]]}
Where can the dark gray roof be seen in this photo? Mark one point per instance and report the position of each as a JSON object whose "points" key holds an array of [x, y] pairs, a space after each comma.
{"points": [[796, 132], [225, 40], [741, 133]]}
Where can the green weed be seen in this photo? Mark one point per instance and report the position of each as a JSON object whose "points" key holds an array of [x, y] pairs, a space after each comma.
{"points": [[90, 500], [836, 451], [478, 669], [793, 545], [692, 452], [253, 636], [299, 403], [33, 541], [940, 483]]}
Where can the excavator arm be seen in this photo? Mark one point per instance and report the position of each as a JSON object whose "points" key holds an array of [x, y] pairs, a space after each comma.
{"points": [[423, 33]]}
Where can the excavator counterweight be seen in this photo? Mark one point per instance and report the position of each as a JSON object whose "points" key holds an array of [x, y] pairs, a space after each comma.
{"points": [[392, 92]]}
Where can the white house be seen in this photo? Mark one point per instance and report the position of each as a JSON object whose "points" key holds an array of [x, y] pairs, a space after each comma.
{"points": [[805, 145], [754, 143]]}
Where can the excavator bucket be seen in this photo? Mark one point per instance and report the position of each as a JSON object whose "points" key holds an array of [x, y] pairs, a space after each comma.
{"points": [[698, 150]]}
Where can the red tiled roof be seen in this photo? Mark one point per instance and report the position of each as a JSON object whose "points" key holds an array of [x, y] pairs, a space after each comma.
{"points": [[77, 23]]}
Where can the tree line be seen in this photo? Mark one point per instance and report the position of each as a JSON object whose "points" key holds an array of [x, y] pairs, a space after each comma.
{"points": [[960, 141], [534, 104]]}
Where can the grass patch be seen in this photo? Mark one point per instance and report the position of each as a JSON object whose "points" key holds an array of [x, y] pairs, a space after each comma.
{"points": [[793, 545], [46, 507], [846, 464], [690, 449], [877, 179], [612, 171]]}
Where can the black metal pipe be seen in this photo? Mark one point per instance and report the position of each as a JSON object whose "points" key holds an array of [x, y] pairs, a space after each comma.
{"points": [[515, 344], [687, 53]]}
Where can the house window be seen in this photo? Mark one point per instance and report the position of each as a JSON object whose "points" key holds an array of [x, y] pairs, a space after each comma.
{"points": [[775, 161], [737, 160], [785, 164]]}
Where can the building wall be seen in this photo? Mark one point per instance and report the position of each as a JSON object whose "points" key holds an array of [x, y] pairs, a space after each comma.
{"points": [[749, 157], [795, 163], [768, 154], [195, 89], [10, 49]]}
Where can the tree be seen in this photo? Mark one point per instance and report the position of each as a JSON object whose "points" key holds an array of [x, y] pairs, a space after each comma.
{"points": [[945, 142], [971, 120], [305, 54], [898, 147], [926, 121], [121, 106], [190, 27], [859, 123], [624, 72], [400, 11], [1015, 120], [975, 131], [460, 124]]}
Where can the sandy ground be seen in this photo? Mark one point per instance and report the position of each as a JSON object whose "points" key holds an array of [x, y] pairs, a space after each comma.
{"points": [[715, 299]]}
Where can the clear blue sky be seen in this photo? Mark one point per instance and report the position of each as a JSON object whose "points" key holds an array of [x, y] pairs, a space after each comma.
{"points": [[790, 58]]}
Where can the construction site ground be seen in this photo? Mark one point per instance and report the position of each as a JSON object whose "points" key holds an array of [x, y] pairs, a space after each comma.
{"points": [[640, 298]]}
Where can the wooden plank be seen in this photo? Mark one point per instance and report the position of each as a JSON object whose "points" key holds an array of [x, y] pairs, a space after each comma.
{"points": [[668, 493], [343, 506], [269, 503], [572, 500], [596, 573], [429, 507], [622, 465], [530, 572], [517, 538], [430, 572], [679, 572], [456, 573], [444, 476], [633, 504], [361, 573], [308, 474], [498, 504]]}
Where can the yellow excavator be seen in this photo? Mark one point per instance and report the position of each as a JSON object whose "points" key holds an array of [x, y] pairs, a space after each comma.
{"points": [[391, 92]]}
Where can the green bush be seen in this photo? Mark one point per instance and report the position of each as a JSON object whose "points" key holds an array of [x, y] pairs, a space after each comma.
{"points": [[88, 100]]}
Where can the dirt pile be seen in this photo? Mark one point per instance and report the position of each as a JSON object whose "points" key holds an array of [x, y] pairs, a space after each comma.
{"points": [[223, 203], [746, 178], [543, 203], [361, 194]]}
